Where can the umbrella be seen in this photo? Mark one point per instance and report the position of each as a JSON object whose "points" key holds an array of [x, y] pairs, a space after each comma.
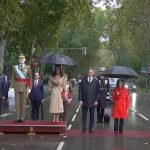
{"points": [[57, 59], [120, 72], [42, 111]]}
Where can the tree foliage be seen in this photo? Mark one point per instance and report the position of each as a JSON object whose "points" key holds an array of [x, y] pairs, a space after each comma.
{"points": [[128, 29], [47, 24]]}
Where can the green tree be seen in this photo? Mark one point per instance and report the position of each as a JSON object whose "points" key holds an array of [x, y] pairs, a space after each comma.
{"points": [[84, 31]]}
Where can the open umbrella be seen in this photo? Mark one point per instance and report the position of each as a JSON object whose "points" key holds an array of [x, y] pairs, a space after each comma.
{"points": [[120, 72], [57, 59]]}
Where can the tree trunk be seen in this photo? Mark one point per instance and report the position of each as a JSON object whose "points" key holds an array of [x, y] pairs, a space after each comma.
{"points": [[2, 48]]}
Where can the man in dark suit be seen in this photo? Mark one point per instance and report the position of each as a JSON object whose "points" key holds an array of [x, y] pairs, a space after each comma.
{"points": [[7, 86], [2, 92], [88, 98], [36, 96], [104, 89]]}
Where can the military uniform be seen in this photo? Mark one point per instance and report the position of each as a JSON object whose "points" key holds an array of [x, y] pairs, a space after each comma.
{"points": [[21, 81], [102, 103]]}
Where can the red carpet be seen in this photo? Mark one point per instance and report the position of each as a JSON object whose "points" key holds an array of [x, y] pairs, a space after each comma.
{"points": [[29, 126], [30, 122]]}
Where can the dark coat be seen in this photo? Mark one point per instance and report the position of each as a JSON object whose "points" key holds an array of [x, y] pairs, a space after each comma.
{"points": [[2, 87], [104, 88], [88, 92], [37, 93], [6, 85]]}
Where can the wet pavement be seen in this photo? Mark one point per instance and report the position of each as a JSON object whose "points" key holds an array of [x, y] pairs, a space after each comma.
{"points": [[136, 130]]}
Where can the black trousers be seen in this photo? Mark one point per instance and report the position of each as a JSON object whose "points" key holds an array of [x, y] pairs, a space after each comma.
{"points": [[35, 105], [84, 116], [0, 106], [118, 125], [100, 114]]}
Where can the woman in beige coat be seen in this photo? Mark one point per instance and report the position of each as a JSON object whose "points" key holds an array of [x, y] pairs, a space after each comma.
{"points": [[57, 83]]}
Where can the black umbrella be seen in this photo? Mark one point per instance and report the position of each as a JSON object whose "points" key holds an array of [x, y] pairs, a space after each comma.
{"points": [[57, 59], [120, 72], [42, 111]]}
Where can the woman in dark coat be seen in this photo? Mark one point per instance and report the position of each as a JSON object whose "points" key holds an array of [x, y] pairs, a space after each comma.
{"points": [[120, 107]]}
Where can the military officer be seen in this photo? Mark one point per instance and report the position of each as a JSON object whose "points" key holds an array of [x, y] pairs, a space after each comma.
{"points": [[20, 82]]}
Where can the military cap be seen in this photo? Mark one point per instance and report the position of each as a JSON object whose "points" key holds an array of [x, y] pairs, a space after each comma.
{"points": [[101, 69]]}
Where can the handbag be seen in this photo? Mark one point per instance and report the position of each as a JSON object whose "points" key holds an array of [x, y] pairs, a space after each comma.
{"points": [[107, 116], [106, 119]]}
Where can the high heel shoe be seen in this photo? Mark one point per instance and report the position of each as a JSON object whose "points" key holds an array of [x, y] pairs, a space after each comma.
{"points": [[53, 122], [56, 122]]}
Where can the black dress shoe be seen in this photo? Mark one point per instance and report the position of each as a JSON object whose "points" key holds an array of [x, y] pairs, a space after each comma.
{"points": [[83, 130], [121, 132], [91, 130], [16, 121], [21, 121], [99, 121], [116, 132]]}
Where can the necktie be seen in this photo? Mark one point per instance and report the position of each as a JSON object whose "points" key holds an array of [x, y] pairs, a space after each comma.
{"points": [[89, 79], [36, 83], [21, 66]]}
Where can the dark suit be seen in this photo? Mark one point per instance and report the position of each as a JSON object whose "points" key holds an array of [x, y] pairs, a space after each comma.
{"points": [[7, 86], [36, 95], [102, 103], [2, 91], [88, 94]]}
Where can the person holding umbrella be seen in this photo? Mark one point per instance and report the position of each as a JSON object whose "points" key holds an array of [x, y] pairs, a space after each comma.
{"points": [[57, 83], [104, 89], [120, 107]]}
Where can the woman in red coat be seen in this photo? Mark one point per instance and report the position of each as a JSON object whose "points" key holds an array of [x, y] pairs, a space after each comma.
{"points": [[120, 107]]}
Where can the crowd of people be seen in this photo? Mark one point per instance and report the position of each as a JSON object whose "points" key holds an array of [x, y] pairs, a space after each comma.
{"points": [[92, 94], [59, 86]]}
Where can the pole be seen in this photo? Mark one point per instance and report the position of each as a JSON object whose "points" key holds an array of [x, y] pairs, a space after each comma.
{"points": [[146, 70]]}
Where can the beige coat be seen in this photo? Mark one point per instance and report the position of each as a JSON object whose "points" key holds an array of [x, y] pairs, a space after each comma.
{"points": [[56, 84]]}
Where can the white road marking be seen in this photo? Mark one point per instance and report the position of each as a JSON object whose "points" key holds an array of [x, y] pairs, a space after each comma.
{"points": [[65, 136], [146, 143], [79, 106], [133, 110], [60, 146], [143, 117], [77, 110], [74, 117], [69, 127]]}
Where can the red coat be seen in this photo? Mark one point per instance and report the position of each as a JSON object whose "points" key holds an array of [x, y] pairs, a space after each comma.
{"points": [[121, 103]]}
